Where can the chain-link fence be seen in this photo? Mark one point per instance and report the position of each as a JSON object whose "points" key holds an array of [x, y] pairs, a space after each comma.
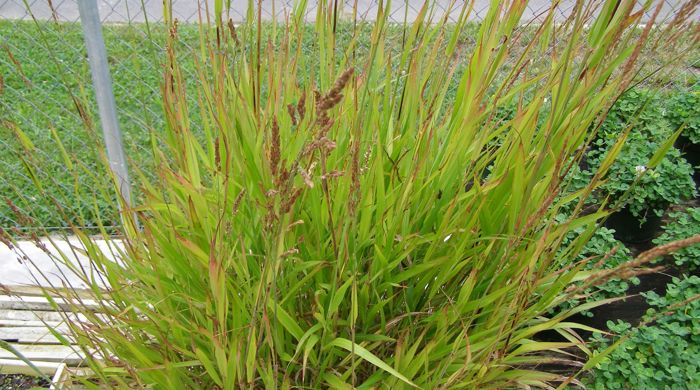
{"points": [[46, 90]]}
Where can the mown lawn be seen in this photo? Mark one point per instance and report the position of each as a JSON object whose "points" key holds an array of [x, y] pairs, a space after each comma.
{"points": [[47, 86]]}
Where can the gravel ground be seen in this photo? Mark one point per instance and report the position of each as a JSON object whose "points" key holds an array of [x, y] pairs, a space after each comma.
{"points": [[21, 382]]}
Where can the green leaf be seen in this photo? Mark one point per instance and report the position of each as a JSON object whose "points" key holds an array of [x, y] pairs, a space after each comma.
{"points": [[286, 320], [209, 366], [338, 297], [663, 149], [368, 356]]}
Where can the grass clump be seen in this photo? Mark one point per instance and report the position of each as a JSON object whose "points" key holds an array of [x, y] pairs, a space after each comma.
{"points": [[326, 222], [46, 89]]}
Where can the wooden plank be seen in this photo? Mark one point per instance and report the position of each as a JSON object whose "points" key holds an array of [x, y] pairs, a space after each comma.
{"points": [[11, 289], [27, 315], [30, 335], [28, 318], [41, 304], [45, 353], [19, 367], [61, 379], [9, 330], [29, 324]]}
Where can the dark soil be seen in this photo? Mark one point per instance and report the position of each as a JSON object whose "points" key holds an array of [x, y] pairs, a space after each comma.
{"points": [[633, 308], [21, 382]]}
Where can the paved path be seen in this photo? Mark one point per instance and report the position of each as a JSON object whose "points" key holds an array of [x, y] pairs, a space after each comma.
{"points": [[122, 11], [19, 264]]}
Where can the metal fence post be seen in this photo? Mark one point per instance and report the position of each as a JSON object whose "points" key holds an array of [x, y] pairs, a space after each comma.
{"points": [[102, 82]]}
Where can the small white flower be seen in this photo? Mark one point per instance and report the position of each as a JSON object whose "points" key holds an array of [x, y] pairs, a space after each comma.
{"points": [[545, 100], [640, 169], [447, 238]]}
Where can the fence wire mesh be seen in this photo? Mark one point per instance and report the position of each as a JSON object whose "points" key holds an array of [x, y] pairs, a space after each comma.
{"points": [[45, 89]]}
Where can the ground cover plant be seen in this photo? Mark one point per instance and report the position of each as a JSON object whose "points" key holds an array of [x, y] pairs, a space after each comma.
{"points": [[684, 111], [602, 251], [661, 353], [629, 183], [683, 224], [645, 191], [327, 223]]}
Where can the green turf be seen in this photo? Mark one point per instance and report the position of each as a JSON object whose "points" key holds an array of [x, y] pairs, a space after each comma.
{"points": [[44, 74]]}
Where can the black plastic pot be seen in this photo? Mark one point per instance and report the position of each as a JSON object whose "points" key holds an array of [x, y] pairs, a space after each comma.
{"points": [[691, 153], [583, 162], [631, 309], [484, 176], [629, 230]]}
